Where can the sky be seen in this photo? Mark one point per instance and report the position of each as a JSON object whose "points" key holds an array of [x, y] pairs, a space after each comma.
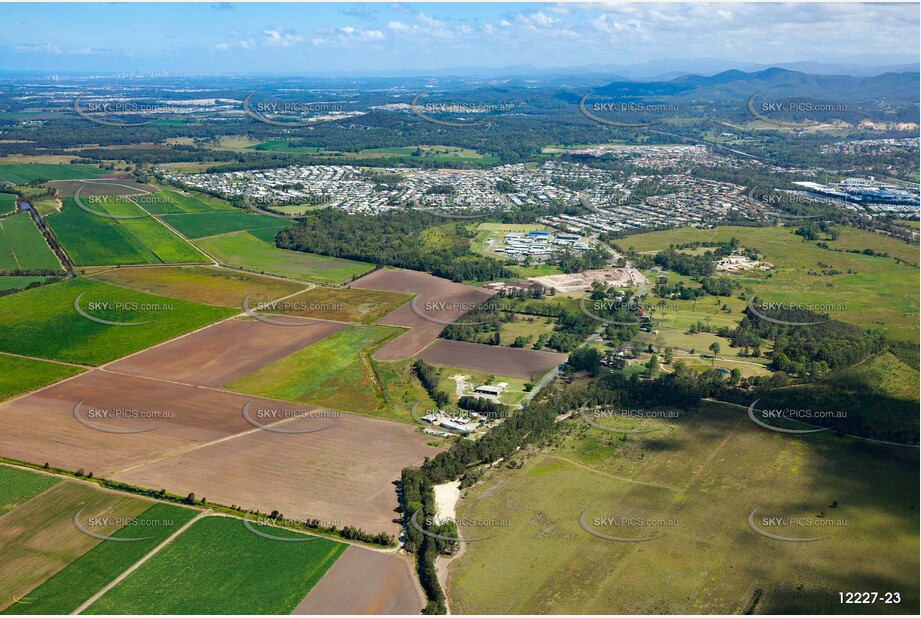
{"points": [[321, 39]]}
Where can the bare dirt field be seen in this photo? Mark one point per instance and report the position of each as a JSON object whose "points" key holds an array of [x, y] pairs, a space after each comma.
{"points": [[41, 427], [220, 354], [436, 298], [582, 282], [105, 186], [388, 586], [511, 362], [343, 473]]}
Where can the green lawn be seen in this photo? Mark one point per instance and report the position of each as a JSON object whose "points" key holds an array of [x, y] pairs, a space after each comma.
{"points": [[21, 173], [22, 246], [219, 567], [246, 250], [22, 375], [201, 225], [44, 323], [81, 579], [334, 372], [17, 486]]}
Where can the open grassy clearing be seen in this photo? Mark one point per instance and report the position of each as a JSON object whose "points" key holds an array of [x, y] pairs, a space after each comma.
{"points": [[22, 375], [247, 251], [69, 588], [873, 292], [203, 224], [25, 173], [693, 481], [17, 486], [22, 246], [201, 284], [39, 538], [218, 566], [46, 206], [512, 395], [44, 323], [335, 372]]}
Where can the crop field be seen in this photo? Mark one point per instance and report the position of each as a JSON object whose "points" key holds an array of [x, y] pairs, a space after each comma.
{"points": [[27, 172], [489, 359], [44, 323], [689, 486], [92, 240], [247, 251], [218, 566], [343, 304], [868, 291], [203, 224], [69, 588], [39, 538], [201, 284], [201, 358], [387, 587], [335, 372], [101, 186], [437, 300], [18, 486], [22, 246], [22, 375], [171, 202], [7, 202]]}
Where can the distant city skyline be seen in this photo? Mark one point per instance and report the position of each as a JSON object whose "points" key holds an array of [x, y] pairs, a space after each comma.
{"points": [[379, 38]]}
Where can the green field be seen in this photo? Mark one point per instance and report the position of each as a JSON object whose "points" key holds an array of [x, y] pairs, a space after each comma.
{"points": [[874, 292], [201, 225], [22, 246], [91, 240], [65, 591], [219, 567], [7, 202], [171, 202], [21, 173], [692, 483], [44, 323], [246, 250], [201, 284], [344, 304], [8, 282], [23, 375], [334, 372], [17, 486]]}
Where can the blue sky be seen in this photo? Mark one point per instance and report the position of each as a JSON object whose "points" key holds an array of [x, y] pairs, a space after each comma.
{"points": [[325, 38]]}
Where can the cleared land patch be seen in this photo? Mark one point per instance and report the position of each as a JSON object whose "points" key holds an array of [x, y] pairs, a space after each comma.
{"points": [[437, 299], [43, 322], [343, 304], [248, 251], [489, 359], [218, 566], [22, 246], [65, 591], [387, 587], [39, 538]]}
